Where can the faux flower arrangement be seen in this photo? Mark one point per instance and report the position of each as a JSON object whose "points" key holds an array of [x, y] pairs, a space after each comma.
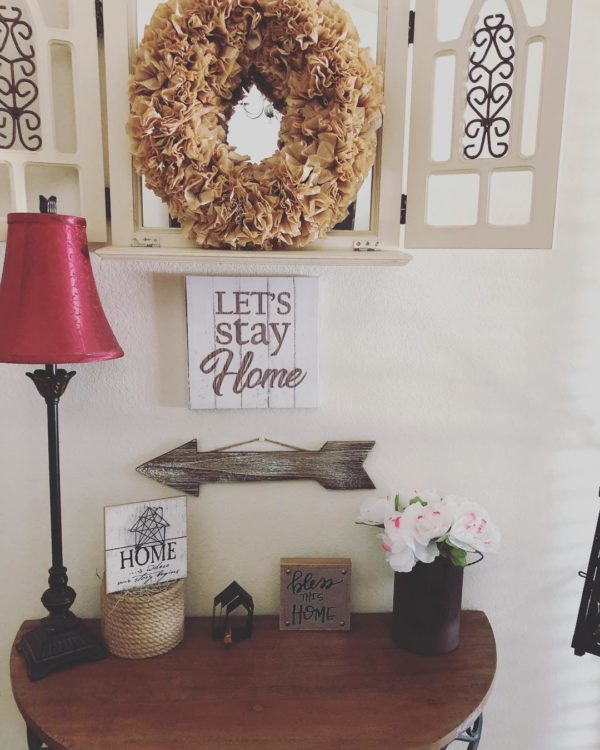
{"points": [[429, 526]]}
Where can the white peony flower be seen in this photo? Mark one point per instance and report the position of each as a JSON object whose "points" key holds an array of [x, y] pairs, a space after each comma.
{"points": [[454, 503], [400, 529], [402, 561], [426, 523], [412, 533], [398, 554], [375, 511], [472, 529], [429, 496]]}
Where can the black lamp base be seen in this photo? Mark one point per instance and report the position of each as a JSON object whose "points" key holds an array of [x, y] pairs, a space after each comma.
{"points": [[47, 649]]}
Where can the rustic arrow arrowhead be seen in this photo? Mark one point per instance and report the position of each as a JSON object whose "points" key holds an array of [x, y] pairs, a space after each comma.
{"points": [[337, 466]]}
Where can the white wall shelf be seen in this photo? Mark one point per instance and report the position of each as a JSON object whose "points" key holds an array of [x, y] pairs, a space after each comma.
{"points": [[271, 257]]}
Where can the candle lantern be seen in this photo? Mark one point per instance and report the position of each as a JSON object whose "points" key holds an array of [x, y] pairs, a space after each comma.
{"points": [[228, 624], [587, 630]]}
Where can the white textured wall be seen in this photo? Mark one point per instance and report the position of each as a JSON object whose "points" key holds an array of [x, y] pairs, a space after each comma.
{"points": [[476, 372]]}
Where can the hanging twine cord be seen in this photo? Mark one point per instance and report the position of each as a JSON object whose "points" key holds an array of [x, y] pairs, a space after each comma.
{"points": [[145, 622], [261, 440]]}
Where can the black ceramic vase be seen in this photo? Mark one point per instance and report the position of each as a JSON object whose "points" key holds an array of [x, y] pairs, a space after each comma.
{"points": [[427, 605]]}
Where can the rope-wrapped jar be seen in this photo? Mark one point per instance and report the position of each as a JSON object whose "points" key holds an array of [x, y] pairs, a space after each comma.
{"points": [[144, 622]]}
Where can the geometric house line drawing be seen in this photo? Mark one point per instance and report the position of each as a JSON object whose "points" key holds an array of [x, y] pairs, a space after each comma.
{"points": [[150, 528]]}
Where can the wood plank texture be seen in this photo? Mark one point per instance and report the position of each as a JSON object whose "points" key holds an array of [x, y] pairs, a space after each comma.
{"points": [[337, 466], [300, 258], [253, 342], [299, 691]]}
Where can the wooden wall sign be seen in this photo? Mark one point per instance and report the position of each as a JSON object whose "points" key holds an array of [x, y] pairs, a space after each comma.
{"points": [[337, 466], [145, 543], [253, 342], [315, 593]]}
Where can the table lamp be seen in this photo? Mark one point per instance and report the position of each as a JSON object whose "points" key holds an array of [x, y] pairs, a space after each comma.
{"points": [[50, 314]]}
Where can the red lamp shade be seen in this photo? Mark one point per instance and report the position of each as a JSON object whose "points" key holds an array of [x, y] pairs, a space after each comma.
{"points": [[50, 312]]}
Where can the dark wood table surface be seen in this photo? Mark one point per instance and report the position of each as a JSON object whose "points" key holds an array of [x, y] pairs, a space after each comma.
{"points": [[277, 691]]}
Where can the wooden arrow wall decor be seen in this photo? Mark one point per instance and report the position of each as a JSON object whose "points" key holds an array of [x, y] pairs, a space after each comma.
{"points": [[337, 466]]}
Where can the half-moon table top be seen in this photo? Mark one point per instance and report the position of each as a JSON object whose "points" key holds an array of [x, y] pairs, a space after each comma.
{"points": [[277, 691]]}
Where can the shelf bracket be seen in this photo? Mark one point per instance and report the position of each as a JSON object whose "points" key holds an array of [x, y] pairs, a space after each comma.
{"points": [[146, 241], [366, 246]]}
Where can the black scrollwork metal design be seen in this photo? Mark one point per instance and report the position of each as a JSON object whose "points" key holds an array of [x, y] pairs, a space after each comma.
{"points": [[490, 90], [19, 122]]}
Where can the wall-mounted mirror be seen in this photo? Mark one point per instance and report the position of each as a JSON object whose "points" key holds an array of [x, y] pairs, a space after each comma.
{"points": [[254, 127]]}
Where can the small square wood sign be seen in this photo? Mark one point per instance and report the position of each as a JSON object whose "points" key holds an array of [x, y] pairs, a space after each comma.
{"points": [[315, 593]]}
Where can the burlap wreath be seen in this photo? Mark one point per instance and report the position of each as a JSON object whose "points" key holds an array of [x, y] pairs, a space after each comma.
{"points": [[196, 61]]}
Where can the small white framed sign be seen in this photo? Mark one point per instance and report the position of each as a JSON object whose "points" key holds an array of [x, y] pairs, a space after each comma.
{"points": [[253, 342], [145, 543]]}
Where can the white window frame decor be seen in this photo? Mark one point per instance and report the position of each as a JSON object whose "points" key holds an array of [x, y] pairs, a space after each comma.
{"points": [[380, 244], [81, 37], [406, 176]]}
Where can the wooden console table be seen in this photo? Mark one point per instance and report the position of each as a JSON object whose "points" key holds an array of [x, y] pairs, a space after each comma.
{"points": [[277, 691]]}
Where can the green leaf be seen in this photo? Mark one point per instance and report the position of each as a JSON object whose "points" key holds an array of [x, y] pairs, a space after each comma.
{"points": [[416, 500], [457, 556], [397, 504]]}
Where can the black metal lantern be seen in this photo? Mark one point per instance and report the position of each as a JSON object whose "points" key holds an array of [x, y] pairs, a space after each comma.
{"points": [[225, 609], [587, 630]]}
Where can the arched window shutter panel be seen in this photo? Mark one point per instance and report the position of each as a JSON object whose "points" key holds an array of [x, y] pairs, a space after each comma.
{"points": [[50, 121], [488, 93], [486, 99]]}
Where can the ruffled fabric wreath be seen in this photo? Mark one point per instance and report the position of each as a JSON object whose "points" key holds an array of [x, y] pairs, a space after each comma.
{"points": [[197, 60]]}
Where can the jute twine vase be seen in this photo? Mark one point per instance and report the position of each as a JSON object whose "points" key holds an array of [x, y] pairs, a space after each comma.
{"points": [[141, 623]]}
